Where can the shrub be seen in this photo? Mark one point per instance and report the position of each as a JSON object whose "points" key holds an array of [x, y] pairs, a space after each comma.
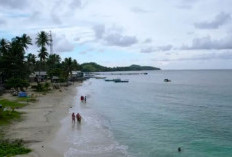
{"points": [[11, 148], [39, 88], [46, 85]]}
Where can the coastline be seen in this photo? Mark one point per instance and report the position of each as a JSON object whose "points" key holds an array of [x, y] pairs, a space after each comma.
{"points": [[41, 122]]}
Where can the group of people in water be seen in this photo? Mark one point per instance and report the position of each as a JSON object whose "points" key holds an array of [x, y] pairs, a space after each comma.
{"points": [[78, 116]]}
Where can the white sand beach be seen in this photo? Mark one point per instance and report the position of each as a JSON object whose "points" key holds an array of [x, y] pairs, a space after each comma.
{"points": [[42, 120]]}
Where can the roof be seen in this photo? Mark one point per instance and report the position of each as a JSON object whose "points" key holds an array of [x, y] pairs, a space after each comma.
{"points": [[75, 72], [32, 75], [41, 73], [55, 77]]}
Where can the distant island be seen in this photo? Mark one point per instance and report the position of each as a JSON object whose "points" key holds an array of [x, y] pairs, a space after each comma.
{"points": [[94, 67]]}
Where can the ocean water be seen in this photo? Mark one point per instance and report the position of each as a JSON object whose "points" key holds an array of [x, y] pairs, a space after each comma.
{"points": [[150, 118]]}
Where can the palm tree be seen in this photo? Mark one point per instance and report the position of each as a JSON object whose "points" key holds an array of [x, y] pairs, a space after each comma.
{"points": [[53, 63], [25, 41], [31, 59], [12, 57], [31, 62], [42, 41], [68, 65], [4, 46], [53, 60], [16, 54], [76, 66]]}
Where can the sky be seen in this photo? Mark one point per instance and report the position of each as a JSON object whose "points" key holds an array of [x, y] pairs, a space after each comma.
{"points": [[169, 34]]}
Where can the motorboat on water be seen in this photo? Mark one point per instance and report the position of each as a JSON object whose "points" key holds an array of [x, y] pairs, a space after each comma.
{"points": [[98, 77], [167, 80], [117, 80], [121, 81]]}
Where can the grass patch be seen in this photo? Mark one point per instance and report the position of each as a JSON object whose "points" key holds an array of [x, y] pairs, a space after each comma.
{"points": [[16, 147], [7, 117], [8, 103], [26, 99], [11, 148], [1, 133]]}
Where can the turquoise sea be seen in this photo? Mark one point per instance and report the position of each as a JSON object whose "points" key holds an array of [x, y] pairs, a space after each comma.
{"points": [[151, 118]]}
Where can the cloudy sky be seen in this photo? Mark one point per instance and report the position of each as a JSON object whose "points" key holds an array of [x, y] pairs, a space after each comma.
{"points": [[170, 34]]}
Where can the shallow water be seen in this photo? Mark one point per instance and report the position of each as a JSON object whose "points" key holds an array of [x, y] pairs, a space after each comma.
{"points": [[148, 117]]}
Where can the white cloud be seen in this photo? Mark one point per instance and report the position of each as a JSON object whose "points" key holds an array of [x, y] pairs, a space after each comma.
{"points": [[76, 4], [14, 4], [139, 10], [208, 43], [2, 22], [224, 55], [218, 21], [165, 48], [148, 40], [126, 27], [113, 36], [159, 48], [62, 44], [99, 31], [120, 40], [147, 50]]}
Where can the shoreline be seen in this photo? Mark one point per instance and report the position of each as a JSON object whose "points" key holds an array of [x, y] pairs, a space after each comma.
{"points": [[42, 120]]}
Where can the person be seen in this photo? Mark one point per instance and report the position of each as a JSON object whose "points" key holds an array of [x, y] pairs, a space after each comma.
{"points": [[78, 116], [85, 98], [73, 117], [179, 149], [82, 98]]}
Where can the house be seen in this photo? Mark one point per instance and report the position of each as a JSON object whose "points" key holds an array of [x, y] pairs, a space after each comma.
{"points": [[77, 75], [55, 79], [38, 76]]}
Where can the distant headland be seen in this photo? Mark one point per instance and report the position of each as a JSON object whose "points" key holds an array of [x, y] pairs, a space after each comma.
{"points": [[94, 67]]}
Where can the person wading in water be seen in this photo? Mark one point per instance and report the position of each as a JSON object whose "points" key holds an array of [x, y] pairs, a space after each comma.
{"points": [[78, 116], [73, 117]]}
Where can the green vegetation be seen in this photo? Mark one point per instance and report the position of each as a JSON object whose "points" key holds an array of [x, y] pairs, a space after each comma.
{"points": [[26, 99], [17, 83], [42, 87], [93, 67], [16, 66], [8, 103], [6, 116], [11, 148]]}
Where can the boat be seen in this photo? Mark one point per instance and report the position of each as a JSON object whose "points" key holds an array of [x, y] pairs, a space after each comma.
{"points": [[167, 80], [98, 77], [109, 80], [116, 80], [121, 81]]}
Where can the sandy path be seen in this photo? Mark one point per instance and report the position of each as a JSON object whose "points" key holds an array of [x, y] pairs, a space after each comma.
{"points": [[42, 120]]}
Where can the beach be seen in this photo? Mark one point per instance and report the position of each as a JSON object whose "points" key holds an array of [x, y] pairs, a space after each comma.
{"points": [[41, 120], [145, 117]]}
